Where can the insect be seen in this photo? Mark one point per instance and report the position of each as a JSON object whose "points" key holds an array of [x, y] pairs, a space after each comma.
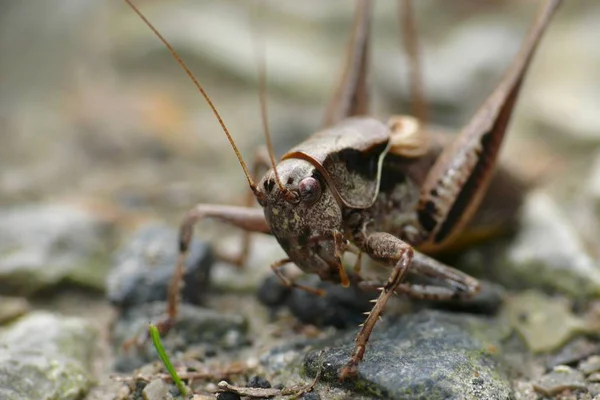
{"points": [[384, 189]]}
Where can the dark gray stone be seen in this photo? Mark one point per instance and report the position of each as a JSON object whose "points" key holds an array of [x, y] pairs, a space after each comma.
{"points": [[428, 355], [43, 356], [194, 326], [340, 307], [144, 267]]}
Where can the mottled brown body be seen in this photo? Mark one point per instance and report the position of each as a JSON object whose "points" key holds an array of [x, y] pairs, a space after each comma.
{"points": [[363, 186]]}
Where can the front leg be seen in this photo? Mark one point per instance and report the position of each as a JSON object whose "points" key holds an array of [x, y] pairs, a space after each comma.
{"points": [[392, 251], [248, 219]]}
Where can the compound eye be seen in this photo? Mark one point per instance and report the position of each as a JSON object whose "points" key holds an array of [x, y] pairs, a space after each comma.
{"points": [[310, 190]]}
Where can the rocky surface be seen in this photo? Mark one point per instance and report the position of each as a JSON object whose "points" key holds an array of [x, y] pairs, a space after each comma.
{"points": [[431, 355], [101, 132], [45, 356]]}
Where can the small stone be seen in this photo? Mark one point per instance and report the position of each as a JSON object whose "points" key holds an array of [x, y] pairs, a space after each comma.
{"points": [[228, 396], [11, 308], [45, 356], [310, 396], [194, 326], [430, 354], [590, 365], [545, 323], [272, 293], [561, 378], [594, 377], [157, 390], [258, 382], [144, 268]]}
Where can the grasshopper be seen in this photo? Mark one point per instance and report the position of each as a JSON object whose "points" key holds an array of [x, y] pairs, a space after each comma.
{"points": [[389, 190]]}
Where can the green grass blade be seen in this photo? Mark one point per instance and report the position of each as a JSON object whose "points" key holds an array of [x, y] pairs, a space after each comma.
{"points": [[165, 359]]}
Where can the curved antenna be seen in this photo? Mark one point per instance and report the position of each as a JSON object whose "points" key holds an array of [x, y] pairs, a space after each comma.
{"points": [[202, 91], [260, 53]]}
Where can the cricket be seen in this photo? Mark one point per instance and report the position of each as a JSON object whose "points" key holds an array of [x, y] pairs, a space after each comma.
{"points": [[394, 190]]}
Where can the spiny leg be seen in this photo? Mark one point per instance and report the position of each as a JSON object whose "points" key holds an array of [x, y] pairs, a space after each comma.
{"points": [[392, 251]]}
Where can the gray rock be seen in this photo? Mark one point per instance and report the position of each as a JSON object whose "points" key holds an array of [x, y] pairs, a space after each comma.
{"points": [[340, 307], [47, 357], [431, 354], [195, 326], [548, 246], [144, 267], [42, 245]]}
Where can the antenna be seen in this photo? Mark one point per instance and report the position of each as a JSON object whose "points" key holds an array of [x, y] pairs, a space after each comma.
{"points": [[202, 91], [260, 53]]}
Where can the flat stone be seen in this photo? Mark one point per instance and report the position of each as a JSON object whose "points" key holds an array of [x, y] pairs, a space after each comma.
{"points": [[546, 323], [145, 265], [561, 378], [431, 354], [44, 356], [43, 245]]}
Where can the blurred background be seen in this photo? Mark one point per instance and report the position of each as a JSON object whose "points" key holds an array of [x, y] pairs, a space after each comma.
{"points": [[94, 111]]}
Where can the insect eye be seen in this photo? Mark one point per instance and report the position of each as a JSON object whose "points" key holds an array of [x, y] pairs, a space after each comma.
{"points": [[310, 190]]}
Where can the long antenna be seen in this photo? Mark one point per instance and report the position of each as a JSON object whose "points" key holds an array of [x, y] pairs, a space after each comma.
{"points": [[201, 90], [260, 53]]}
